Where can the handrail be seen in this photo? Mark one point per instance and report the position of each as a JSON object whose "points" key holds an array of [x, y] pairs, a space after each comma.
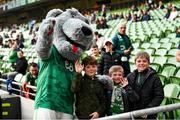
{"points": [[147, 111], [19, 84]]}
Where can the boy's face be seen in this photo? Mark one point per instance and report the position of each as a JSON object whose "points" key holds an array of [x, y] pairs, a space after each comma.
{"points": [[141, 64], [117, 76], [90, 70], [108, 46], [95, 51]]}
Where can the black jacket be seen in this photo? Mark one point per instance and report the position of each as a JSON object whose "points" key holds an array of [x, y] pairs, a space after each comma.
{"points": [[21, 65], [106, 61], [149, 94], [90, 96]]}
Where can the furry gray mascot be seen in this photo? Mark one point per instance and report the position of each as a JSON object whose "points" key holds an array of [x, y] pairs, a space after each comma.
{"points": [[63, 37]]}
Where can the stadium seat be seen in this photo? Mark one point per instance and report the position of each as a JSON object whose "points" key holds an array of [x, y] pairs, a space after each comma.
{"points": [[171, 90], [18, 77], [161, 52], [160, 60], [176, 78]]}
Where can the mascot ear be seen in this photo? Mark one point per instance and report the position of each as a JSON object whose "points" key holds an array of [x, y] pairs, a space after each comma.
{"points": [[47, 27], [54, 13]]}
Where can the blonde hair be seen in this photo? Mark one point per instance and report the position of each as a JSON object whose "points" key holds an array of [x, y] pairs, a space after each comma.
{"points": [[116, 68], [142, 54]]}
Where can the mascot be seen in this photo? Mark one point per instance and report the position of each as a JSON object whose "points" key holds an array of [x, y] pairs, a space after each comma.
{"points": [[63, 37]]}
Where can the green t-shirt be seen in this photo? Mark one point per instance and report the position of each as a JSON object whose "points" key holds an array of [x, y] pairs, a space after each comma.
{"points": [[13, 56], [117, 103], [31, 79], [54, 84]]}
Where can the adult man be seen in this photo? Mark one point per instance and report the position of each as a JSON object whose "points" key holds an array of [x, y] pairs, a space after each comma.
{"points": [[123, 46], [31, 77]]}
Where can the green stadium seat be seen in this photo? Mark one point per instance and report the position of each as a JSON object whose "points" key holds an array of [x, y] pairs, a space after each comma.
{"points": [[154, 40], [18, 77], [166, 45], [160, 60], [156, 67], [168, 70], [155, 45], [171, 90], [172, 52], [161, 52], [145, 45], [176, 77]]}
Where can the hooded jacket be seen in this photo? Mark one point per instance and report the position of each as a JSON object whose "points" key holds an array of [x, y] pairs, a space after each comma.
{"points": [[148, 94]]}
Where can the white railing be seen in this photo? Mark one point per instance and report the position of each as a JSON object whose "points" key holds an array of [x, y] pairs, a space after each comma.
{"points": [[142, 112], [4, 86]]}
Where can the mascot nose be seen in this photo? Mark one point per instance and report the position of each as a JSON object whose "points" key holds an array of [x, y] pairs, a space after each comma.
{"points": [[86, 31]]}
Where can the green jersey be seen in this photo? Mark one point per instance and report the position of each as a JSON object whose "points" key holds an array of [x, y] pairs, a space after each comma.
{"points": [[54, 84], [116, 102], [32, 79]]}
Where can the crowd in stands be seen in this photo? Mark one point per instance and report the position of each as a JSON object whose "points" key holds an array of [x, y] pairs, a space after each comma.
{"points": [[107, 56]]}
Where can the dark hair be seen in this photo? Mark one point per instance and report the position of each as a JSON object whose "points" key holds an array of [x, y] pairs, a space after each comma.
{"points": [[33, 64], [94, 46], [89, 60]]}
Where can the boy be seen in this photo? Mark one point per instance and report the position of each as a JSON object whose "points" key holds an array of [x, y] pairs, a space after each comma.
{"points": [[108, 59], [144, 88], [116, 73], [90, 97], [95, 52]]}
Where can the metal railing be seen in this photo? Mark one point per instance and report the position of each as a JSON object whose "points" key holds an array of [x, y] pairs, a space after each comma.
{"points": [[137, 113], [20, 90]]}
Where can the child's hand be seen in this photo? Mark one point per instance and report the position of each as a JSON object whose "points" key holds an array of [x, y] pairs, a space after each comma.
{"points": [[78, 67], [144, 116], [124, 82], [94, 115]]}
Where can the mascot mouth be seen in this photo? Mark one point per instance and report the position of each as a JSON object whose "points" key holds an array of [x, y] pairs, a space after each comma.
{"points": [[76, 44]]}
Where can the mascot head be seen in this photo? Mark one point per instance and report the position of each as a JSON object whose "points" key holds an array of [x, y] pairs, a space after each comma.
{"points": [[72, 34]]}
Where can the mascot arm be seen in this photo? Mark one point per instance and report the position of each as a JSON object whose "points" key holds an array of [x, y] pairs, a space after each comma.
{"points": [[106, 81], [45, 38]]}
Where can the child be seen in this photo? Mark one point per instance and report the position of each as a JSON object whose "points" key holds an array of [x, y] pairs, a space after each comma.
{"points": [[144, 88], [90, 97], [95, 52], [108, 59], [116, 73]]}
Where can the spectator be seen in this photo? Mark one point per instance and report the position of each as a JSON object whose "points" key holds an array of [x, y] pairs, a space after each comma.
{"points": [[108, 58], [13, 53], [178, 54], [104, 10], [144, 88], [99, 40], [173, 13], [178, 32], [122, 45], [145, 16], [20, 66], [31, 77], [95, 52], [116, 72], [34, 38], [167, 13], [161, 6], [90, 97]]}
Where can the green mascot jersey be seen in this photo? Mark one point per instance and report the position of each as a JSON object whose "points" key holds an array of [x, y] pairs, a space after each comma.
{"points": [[54, 84]]}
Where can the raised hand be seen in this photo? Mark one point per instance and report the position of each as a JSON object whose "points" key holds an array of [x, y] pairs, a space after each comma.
{"points": [[124, 82], [79, 67]]}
